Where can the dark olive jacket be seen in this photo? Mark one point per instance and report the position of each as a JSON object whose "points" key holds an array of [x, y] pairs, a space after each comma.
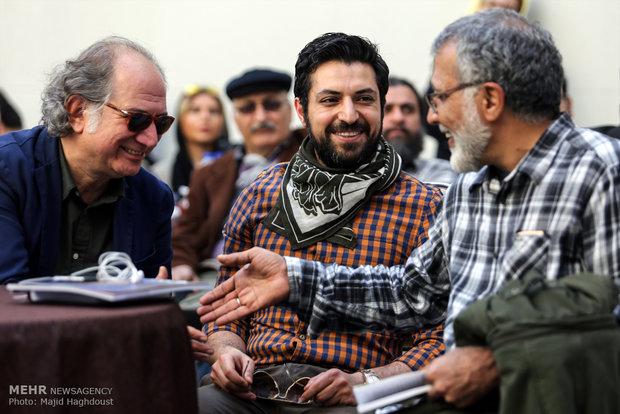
{"points": [[556, 343]]}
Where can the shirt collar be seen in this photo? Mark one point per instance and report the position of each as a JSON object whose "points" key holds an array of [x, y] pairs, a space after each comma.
{"points": [[536, 162], [68, 183]]}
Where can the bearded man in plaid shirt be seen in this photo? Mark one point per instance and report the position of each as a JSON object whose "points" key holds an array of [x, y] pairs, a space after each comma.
{"points": [[342, 199]]}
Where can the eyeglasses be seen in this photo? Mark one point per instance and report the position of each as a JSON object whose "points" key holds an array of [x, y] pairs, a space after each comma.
{"points": [[265, 386], [270, 105], [139, 121], [437, 98]]}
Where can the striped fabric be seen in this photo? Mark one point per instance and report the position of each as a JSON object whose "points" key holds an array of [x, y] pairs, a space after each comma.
{"points": [[388, 228]]}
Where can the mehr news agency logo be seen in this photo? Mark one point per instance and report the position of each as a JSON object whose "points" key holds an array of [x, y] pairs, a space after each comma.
{"points": [[41, 395]]}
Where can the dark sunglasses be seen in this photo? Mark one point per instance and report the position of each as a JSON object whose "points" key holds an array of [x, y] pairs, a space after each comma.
{"points": [[139, 121], [265, 386], [270, 105]]}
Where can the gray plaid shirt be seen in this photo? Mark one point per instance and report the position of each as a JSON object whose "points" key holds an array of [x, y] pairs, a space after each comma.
{"points": [[557, 212]]}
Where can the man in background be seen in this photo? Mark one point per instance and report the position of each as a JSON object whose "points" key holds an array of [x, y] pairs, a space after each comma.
{"points": [[402, 127], [262, 113]]}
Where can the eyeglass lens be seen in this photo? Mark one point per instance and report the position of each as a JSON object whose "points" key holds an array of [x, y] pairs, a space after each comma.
{"points": [[264, 386], [430, 100], [271, 105], [294, 392], [139, 122], [434, 99]]}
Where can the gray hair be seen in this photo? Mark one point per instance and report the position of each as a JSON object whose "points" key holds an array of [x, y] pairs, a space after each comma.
{"points": [[90, 75], [499, 45]]}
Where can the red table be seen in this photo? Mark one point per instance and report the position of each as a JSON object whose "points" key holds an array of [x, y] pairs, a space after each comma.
{"points": [[58, 358]]}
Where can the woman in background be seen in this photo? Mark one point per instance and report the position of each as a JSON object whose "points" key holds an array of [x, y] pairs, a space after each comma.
{"points": [[202, 136]]}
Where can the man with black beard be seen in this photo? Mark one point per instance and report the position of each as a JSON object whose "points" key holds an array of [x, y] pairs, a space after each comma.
{"points": [[342, 198], [402, 127]]}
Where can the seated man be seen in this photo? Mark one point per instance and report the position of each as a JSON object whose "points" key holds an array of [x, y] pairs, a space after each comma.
{"points": [[343, 199], [262, 113], [74, 187]]}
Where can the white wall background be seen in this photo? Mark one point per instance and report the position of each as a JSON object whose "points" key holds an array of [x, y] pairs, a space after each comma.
{"points": [[210, 41]]}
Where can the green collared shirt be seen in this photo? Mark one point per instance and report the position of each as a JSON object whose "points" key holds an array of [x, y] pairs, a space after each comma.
{"points": [[87, 229]]}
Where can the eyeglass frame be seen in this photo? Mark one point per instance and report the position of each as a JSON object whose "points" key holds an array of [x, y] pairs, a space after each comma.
{"points": [[279, 396], [154, 118], [446, 94]]}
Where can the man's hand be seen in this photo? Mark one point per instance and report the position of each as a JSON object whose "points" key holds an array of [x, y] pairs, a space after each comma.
{"points": [[199, 344], [184, 272], [261, 282], [463, 375], [233, 372], [332, 387]]}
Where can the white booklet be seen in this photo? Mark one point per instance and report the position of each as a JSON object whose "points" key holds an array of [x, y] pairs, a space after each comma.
{"points": [[78, 289], [390, 390]]}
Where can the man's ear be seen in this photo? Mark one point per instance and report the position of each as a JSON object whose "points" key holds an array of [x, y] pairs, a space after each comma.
{"points": [[492, 101], [300, 112], [76, 107]]}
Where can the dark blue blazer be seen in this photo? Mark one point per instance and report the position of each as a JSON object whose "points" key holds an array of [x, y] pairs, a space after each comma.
{"points": [[31, 203]]}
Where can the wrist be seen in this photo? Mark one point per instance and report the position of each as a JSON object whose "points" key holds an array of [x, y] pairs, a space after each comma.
{"points": [[369, 376]]}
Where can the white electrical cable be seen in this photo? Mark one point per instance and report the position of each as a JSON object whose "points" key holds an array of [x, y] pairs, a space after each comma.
{"points": [[114, 266]]}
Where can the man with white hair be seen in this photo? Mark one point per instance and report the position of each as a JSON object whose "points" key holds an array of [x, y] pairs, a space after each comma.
{"points": [[74, 187]]}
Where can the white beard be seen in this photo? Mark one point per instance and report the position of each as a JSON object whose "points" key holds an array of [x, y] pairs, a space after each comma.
{"points": [[470, 141]]}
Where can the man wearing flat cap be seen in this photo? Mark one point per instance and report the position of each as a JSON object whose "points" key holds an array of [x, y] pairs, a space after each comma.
{"points": [[262, 113]]}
